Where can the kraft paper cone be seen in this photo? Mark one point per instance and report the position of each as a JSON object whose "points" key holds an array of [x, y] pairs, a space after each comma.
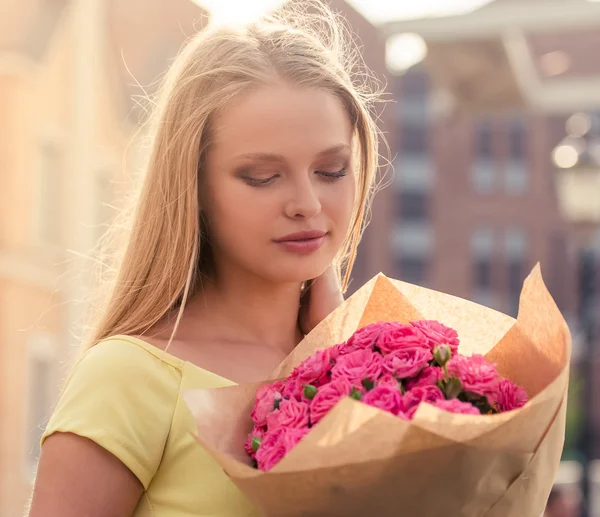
{"points": [[362, 461]]}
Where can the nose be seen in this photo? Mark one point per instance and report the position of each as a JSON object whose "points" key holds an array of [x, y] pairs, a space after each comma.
{"points": [[304, 202]]}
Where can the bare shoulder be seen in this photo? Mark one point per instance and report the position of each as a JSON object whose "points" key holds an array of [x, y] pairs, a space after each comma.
{"points": [[78, 477]]}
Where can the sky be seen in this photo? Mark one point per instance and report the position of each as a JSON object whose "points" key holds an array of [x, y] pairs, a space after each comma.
{"points": [[377, 11]]}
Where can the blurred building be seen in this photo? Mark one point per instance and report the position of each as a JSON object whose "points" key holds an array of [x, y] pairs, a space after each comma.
{"points": [[61, 140], [66, 119], [476, 204]]}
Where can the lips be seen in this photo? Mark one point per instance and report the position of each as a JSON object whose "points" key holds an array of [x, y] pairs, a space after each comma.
{"points": [[302, 236], [302, 243]]}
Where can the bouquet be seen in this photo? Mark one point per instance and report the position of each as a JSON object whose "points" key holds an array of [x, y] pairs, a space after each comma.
{"points": [[401, 419], [390, 366]]}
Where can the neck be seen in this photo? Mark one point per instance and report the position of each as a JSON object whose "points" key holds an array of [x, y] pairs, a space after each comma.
{"points": [[246, 309]]}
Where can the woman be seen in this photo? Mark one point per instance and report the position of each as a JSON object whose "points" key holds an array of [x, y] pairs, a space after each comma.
{"points": [[262, 162]]}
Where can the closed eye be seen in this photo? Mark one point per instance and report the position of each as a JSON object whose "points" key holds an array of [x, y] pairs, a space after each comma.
{"points": [[260, 182], [332, 176]]}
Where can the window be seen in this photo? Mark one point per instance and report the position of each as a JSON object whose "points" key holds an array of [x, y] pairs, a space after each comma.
{"points": [[484, 140], [48, 209], [413, 245], [516, 176], [41, 391], [515, 251], [517, 139], [413, 270], [414, 138], [414, 172], [559, 265], [413, 205], [483, 176], [482, 252], [483, 171]]}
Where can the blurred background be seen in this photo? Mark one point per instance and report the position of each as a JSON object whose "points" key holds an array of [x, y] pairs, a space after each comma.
{"points": [[494, 134]]}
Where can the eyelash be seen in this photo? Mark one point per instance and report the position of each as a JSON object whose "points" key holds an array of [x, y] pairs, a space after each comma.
{"points": [[330, 177]]}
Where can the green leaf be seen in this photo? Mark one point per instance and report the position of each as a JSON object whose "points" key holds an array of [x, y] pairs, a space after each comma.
{"points": [[452, 388], [368, 384], [276, 404], [256, 443]]}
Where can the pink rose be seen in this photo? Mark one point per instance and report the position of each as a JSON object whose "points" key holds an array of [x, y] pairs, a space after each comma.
{"points": [[388, 379], [276, 444], [257, 432], [386, 398], [438, 334], [315, 369], [291, 413], [358, 365], [510, 396], [476, 374], [364, 338], [413, 398], [456, 406], [266, 396], [396, 336], [407, 362], [428, 377], [327, 397], [293, 388]]}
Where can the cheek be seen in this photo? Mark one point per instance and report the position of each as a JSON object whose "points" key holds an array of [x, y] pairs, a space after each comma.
{"points": [[238, 215], [339, 204]]}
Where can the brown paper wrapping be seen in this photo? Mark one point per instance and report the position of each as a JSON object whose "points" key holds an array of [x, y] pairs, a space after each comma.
{"points": [[362, 461]]}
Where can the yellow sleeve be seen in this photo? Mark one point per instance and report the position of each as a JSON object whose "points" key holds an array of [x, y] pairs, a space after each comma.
{"points": [[122, 397]]}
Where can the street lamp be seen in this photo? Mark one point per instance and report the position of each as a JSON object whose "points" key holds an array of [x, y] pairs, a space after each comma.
{"points": [[577, 179]]}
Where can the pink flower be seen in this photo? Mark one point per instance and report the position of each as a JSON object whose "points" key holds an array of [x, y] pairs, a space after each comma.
{"points": [[414, 397], [265, 401], [388, 379], [407, 362], [257, 432], [327, 397], [438, 334], [291, 413], [276, 444], [294, 388], [358, 365], [456, 406], [428, 377], [386, 398], [315, 369], [364, 338], [510, 396], [476, 374], [396, 337]]}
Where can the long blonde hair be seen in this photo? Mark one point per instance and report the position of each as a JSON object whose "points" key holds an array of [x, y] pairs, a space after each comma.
{"points": [[159, 265]]}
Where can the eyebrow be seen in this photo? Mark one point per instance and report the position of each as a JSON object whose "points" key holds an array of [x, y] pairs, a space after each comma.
{"points": [[271, 157]]}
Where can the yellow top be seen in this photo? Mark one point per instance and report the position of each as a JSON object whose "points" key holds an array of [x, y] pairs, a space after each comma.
{"points": [[124, 394]]}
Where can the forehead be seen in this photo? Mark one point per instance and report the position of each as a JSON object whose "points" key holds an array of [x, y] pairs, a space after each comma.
{"points": [[281, 119]]}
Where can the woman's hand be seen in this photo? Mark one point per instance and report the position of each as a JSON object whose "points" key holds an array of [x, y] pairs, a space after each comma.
{"points": [[322, 297]]}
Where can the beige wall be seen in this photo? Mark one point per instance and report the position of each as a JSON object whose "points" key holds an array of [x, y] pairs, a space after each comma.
{"points": [[61, 116]]}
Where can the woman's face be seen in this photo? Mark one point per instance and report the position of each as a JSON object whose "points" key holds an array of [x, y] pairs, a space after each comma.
{"points": [[278, 189]]}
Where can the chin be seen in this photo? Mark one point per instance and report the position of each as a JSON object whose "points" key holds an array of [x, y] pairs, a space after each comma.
{"points": [[302, 270]]}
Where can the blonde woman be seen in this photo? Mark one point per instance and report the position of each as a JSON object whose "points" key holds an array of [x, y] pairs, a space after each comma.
{"points": [[263, 158]]}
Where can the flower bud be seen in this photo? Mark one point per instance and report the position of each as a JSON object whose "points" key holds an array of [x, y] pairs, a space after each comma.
{"points": [[310, 391], [442, 354], [355, 394]]}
